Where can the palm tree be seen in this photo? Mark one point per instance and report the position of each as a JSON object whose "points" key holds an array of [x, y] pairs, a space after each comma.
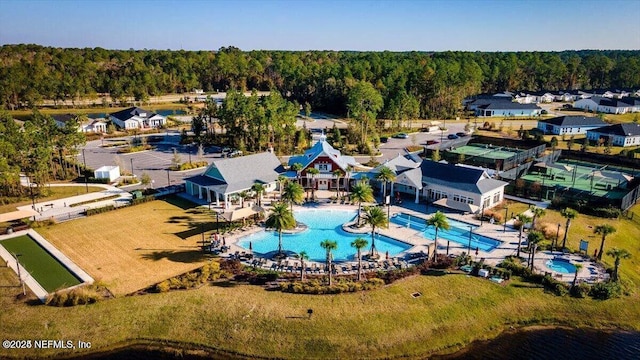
{"points": [[522, 221], [297, 167], [259, 190], [375, 217], [311, 173], [604, 229], [281, 181], [385, 175], [243, 196], [534, 238], [338, 173], [359, 244], [348, 172], [303, 256], [293, 193], [575, 278], [281, 218], [439, 221], [618, 254], [568, 213], [361, 192], [537, 213], [329, 245]]}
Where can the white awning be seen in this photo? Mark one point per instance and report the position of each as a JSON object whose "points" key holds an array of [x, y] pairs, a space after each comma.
{"points": [[242, 213], [456, 205]]}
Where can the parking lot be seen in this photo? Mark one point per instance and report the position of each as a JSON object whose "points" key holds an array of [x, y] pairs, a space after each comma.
{"points": [[154, 162]]}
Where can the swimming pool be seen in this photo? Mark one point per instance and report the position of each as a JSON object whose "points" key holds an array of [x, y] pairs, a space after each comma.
{"points": [[458, 232], [322, 225], [561, 266]]}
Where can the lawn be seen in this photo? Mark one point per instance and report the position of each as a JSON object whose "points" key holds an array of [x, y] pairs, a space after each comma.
{"points": [[134, 247], [43, 267], [452, 311], [55, 192]]}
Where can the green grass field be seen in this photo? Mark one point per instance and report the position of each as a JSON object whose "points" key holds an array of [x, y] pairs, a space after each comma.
{"points": [[48, 271]]}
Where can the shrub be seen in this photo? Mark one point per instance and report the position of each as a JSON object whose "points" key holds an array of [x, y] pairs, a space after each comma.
{"points": [[79, 296], [142, 200], [192, 279], [608, 212], [605, 290], [100, 210], [314, 286], [580, 290], [550, 230]]}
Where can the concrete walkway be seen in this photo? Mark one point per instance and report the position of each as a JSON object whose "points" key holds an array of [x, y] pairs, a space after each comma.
{"points": [[63, 209]]}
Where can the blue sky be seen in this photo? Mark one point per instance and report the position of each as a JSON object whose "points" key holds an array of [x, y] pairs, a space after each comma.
{"points": [[423, 25]]}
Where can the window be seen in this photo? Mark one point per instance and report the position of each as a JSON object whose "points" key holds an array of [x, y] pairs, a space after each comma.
{"points": [[456, 197], [322, 167], [496, 198]]}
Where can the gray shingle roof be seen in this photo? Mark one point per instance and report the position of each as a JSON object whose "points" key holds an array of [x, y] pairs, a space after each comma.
{"points": [[458, 177], [398, 164], [574, 121], [508, 105], [128, 113], [240, 173], [626, 129], [411, 177]]}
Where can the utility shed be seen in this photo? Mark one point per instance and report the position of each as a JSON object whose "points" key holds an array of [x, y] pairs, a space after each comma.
{"points": [[107, 172]]}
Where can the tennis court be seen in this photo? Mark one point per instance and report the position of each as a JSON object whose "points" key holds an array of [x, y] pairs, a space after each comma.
{"points": [[486, 151], [592, 179]]}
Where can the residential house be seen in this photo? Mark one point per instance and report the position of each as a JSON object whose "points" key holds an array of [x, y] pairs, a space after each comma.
{"points": [[503, 108], [227, 178], [633, 102], [408, 175], [505, 95], [323, 157], [627, 134], [137, 118], [81, 123], [604, 105], [460, 188], [569, 125]]}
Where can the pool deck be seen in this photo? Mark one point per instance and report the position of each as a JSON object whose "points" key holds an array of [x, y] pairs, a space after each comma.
{"points": [[31, 282], [509, 239]]}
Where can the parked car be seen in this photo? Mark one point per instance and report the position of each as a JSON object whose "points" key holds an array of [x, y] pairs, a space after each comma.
{"points": [[461, 134], [432, 142], [452, 136], [401, 136], [384, 139]]}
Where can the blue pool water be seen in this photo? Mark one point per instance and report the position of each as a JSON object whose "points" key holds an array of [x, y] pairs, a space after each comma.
{"points": [[458, 232], [323, 224], [561, 266]]}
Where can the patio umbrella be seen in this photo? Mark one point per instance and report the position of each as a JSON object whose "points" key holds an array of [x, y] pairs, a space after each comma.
{"points": [[224, 242], [250, 246], [387, 254]]}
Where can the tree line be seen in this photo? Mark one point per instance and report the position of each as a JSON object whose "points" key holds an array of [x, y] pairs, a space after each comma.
{"points": [[40, 149], [422, 84]]}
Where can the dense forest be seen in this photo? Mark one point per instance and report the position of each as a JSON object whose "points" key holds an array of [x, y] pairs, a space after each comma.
{"points": [[434, 83]]}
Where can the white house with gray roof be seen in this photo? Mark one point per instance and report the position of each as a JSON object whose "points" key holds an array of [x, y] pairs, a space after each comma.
{"points": [[228, 177], [460, 188], [137, 118], [570, 125]]}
